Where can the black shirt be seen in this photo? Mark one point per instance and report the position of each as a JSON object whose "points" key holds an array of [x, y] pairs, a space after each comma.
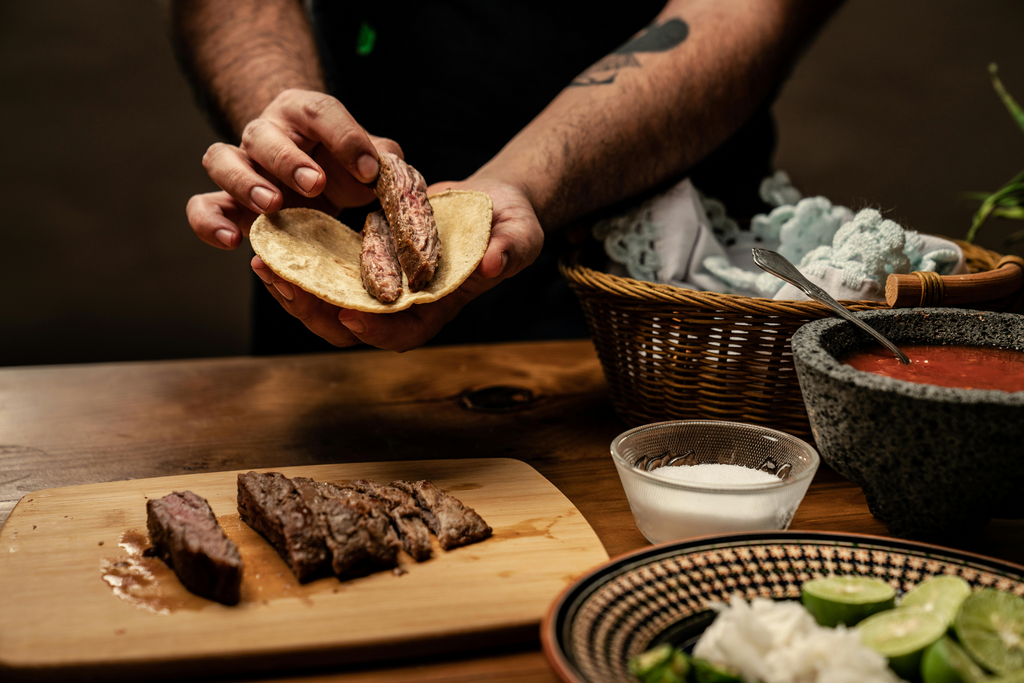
{"points": [[452, 82]]}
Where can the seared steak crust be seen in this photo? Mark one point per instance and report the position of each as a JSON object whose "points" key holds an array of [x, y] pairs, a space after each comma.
{"points": [[378, 262], [405, 514], [356, 528], [452, 522], [187, 537], [271, 505], [403, 194]]}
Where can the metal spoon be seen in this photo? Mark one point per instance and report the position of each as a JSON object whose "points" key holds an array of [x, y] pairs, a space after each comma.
{"points": [[779, 266]]}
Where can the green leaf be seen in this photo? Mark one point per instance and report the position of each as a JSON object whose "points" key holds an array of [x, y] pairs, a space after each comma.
{"points": [[1004, 202], [1015, 212], [1014, 238], [1011, 105], [986, 208], [1007, 201]]}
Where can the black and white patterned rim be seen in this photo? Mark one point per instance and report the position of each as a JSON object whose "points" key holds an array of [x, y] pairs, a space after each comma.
{"points": [[617, 610]]}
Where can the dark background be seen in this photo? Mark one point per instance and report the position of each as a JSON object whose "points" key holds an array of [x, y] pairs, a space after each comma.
{"points": [[892, 108]]}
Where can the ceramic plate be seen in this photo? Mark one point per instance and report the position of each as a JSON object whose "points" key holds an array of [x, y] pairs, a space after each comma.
{"points": [[663, 593]]}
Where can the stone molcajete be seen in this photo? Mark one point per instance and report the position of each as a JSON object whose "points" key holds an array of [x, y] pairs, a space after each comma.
{"points": [[934, 462]]}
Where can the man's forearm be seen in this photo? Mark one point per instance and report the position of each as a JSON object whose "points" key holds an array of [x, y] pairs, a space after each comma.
{"points": [[657, 105], [241, 55]]}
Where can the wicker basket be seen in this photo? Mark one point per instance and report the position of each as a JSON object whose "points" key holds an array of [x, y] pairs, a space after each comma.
{"points": [[670, 353]]}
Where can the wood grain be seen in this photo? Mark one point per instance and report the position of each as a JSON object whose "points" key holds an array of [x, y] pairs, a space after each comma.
{"points": [[56, 541], [68, 425]]}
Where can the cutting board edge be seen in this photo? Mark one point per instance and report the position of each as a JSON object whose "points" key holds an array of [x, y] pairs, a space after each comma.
{"points": [[237, 663]]}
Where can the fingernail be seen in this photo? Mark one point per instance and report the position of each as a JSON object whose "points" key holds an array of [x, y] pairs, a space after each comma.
{"points": [[225, 237], [264, 275], [504, 263], [261, 197], [306, 178], [367, 167], [355, 326], [285, 289]]}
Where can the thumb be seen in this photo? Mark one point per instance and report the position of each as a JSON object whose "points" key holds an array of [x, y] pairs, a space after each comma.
{"points": [[509, 251]]}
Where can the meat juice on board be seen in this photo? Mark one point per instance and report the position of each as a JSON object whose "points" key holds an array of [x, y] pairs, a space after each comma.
{"points": [[960, 367]]}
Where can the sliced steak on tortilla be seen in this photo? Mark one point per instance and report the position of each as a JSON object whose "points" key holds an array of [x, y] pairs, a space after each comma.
{"points": [[452, 522], [403, 194], [187, 537], [317, 253], [378, 262], [270, 504]]}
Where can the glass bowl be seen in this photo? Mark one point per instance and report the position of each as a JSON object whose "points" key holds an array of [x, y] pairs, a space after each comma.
{"points": [[667, 509]]}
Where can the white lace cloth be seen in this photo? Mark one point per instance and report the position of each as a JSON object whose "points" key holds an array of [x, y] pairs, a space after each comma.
{"points": [[688, 240]]}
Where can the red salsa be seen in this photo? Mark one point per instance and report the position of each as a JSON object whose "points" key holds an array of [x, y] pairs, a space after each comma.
{"points": [[962, 367]]}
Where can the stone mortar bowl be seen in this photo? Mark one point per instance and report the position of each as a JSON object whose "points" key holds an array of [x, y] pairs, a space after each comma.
{"points": [[934, 462]]}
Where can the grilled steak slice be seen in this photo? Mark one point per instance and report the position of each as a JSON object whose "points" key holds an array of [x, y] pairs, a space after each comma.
{"points": [[378, 262], [403, 194], [356, 528], [271, 505], [186, 536], [452, 522], [406, 516]]}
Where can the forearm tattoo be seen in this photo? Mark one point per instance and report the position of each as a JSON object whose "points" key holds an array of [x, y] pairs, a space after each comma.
{"points": [[655, 38]]}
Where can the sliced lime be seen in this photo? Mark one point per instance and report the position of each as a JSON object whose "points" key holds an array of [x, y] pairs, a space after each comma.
{"points": [[846, 599], [942, 594], [664, 674], [706, 672], [902, 635], [990, 626], [678, 666], [646, 662], [946, 662], [662, 664]]}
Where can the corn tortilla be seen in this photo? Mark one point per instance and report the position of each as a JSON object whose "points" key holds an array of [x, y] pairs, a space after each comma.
{"points": [[321, 255]]}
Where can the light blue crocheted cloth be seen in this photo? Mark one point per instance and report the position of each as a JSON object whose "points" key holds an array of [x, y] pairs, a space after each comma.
{"points": [[815, 235], [690, 240], [777, 190], [871, 248], [794, 228]]}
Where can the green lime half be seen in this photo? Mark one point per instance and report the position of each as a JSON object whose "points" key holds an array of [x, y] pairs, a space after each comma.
{"points": [[942, 594], [990, 626], [846, 599], [946, 662], [902, 635]]}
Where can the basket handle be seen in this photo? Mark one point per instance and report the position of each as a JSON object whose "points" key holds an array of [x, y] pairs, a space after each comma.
{"points": [[931, 289]]}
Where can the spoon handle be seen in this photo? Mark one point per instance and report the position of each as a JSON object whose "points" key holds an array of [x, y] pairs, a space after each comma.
{"points": [[780, 267]]}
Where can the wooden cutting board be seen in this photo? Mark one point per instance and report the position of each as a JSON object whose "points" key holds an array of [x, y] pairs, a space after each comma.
{"points": [[61, 549]]}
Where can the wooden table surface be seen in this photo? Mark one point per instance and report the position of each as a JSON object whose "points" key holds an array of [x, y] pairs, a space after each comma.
{"points": [[67, 425]]}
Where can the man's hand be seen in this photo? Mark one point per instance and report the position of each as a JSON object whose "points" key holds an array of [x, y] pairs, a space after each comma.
{"points": [[516, 240], [305, 149]]}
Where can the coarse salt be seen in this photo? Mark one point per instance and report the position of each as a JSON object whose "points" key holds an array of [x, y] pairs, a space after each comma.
{"points": [[714, 473], [664, 513]]}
